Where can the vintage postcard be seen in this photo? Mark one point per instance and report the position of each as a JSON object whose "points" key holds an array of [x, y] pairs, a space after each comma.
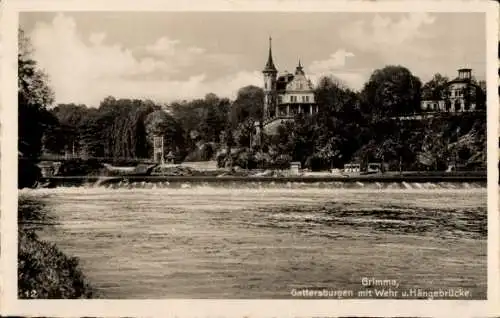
{"points": [[237, 158]]}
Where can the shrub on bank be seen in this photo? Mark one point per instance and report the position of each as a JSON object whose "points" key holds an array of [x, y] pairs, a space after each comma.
{"points": [[317, 163], [251, 159], [43, 270], [78, 167], [28, 174]]}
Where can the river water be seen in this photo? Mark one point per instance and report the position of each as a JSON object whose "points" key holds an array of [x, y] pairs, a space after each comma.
{"points": [[248, 242]]}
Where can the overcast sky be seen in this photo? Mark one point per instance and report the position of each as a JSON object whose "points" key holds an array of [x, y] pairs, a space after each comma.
{"points": [[169, 56]]}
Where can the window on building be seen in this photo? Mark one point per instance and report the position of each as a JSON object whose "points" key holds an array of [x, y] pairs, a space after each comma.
{"points": [[303, 99], [280, 99], [307, 99], [293, 99]]}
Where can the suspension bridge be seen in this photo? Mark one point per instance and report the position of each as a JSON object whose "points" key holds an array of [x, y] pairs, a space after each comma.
{"points": [[65, 158]]}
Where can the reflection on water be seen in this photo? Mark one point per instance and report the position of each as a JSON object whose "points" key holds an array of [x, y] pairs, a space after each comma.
{"points": [[215, 242]]}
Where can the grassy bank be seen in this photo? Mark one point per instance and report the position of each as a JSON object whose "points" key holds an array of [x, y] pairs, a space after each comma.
{"points": [[43, 270]]}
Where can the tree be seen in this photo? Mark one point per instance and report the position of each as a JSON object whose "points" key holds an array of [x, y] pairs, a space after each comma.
{"points": [[71, 118], [435, 89], [391, 91], [244, 132], [122, 121], [34, 97], [55, 137], [215, 117], [477, 94], [160, 123], [248, 104], [137, 128], [202, 120], [92, 135], [333, 97]]}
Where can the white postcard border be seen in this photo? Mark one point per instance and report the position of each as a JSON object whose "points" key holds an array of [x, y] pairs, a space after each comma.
{"points": [[10, 305]]}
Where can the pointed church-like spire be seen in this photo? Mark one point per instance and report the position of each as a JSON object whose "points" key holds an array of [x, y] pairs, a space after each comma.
{"points": [[270, 64], [299, 69]]}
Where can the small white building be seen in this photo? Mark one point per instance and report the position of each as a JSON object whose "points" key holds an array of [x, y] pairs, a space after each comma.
{"points": [[352, 167], [295, 167]]}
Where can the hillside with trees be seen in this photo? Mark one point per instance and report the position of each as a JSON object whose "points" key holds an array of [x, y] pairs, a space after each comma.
{"points": [[350, 126]]}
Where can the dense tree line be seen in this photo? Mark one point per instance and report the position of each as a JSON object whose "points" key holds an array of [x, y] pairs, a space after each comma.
{"points": [[350, 126], [125, 128], [34, 98]]}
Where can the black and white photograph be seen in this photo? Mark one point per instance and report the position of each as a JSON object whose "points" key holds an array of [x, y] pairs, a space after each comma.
{"points": [[278, 155]]}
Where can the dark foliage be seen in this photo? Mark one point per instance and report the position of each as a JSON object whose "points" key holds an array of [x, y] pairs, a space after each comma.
{"points": [[34, 96], [79, 167], [391, 91], [28, 174], [43, 270]]}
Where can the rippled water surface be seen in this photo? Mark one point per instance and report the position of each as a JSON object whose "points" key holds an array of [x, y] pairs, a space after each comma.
{"points": [[216, 242]]}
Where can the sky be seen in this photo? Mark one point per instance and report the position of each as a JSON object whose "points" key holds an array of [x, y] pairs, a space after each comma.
{"points": [[167, 56]]}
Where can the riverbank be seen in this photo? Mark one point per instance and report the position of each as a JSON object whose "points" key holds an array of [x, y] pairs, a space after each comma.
{"points": [[45, 272]]}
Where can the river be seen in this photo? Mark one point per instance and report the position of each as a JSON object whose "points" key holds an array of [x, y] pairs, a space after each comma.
{"points": [[248, 242]]}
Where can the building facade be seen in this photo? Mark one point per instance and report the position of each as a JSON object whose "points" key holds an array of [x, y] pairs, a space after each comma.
{"points": [[459, 95], [286, 95]]}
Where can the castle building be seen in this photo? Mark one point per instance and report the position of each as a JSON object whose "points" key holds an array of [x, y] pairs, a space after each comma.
{"points": [[286, 95], [459, 95]]}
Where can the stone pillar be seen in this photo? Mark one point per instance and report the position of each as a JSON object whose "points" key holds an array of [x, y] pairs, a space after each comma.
{"points": [[310, 109], [277, 113], [288, 110], [158, 149]]}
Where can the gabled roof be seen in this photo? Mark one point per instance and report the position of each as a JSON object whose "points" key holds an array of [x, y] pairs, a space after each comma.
{"points": [[283, 80], [459, 80]]}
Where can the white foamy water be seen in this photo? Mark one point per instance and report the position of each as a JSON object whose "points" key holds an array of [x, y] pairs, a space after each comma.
{"points": [[213, 242]]}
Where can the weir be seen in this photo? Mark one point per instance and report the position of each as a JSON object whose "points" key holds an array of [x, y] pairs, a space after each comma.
{"points": [[377, 182]]}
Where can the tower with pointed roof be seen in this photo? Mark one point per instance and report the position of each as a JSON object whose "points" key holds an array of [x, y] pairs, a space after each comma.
{"points": [[270, 72], [299, 70]]}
